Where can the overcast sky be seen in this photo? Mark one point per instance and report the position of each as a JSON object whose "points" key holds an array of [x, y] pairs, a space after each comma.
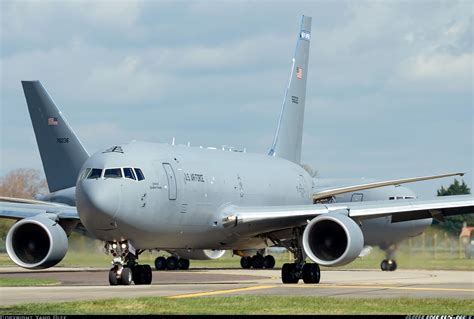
{"points": [[390, 86]]}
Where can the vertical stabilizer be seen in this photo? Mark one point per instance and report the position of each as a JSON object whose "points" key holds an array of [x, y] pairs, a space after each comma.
{"points": [[289, 133], [61, 151]]}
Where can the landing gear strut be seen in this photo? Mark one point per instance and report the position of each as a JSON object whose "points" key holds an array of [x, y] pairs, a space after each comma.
{"points": [[125, 268]]}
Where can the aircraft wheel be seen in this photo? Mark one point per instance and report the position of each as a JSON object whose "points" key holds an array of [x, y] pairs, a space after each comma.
{"points": [[137, 274], [113, 280], [257, 261], [172, 263], [183, 264], [311, 274], [147, 274], [160, 263], [288, 274], [392, 265], [384, 265], [246, 262], [126, 276], [269, 262]]}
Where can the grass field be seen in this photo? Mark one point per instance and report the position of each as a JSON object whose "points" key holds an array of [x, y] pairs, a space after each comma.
{"points": [[242, 305], [405, 260]]}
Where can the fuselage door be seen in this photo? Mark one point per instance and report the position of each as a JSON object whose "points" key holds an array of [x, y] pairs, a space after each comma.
{"points": [[172, 189]]}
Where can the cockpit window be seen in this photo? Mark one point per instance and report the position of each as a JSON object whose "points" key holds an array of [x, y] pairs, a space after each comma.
{"points": [[113, 173], [128, 173], [140, 175], [95, 173], [85, 173]]}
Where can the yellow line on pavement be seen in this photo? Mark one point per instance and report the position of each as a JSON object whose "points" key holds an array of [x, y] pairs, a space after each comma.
{"points": [[220, 292], [382, 287]]}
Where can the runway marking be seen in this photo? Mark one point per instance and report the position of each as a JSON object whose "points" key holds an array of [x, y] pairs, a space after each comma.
{"points": [[383, 287], [220, 292]]}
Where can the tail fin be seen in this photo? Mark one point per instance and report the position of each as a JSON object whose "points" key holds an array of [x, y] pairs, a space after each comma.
{"points": [[289, 133], [61, 151]]}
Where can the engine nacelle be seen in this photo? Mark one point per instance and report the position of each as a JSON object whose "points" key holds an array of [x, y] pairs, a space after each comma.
{"points": [[36, 243], [333, 240], [199, 254]]}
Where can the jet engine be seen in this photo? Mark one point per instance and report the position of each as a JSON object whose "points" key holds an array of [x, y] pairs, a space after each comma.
{"points": [[36, 243], [332, 240], [199, 254]]}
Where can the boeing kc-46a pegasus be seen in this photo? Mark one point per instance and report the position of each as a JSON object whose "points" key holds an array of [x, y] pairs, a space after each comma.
{"points": [[190, 200]]}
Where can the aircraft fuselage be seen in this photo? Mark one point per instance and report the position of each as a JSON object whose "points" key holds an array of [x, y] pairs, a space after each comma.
{"points": [[179, 203]]}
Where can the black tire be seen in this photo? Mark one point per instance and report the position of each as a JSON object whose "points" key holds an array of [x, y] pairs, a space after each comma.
{"points": [[246, 262], [113, 280], [392, 265], [257, 261], [288, 275], [160, 263], [183, 264], [126, 276], [172, 263], [311, 273], [137, 274], [384, 265], [147, 274], [269, 262]]}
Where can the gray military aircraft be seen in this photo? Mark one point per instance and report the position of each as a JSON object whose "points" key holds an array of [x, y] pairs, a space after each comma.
{"points": [[139, 196]]}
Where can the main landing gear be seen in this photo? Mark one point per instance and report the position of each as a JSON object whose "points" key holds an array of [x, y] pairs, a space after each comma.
{"points": [[291, 273], [257, 261], [125, 269], [171, 263], [389, 263]]}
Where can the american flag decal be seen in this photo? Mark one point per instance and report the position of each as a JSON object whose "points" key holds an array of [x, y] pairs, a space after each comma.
{"points": [[299, 72], [52, 121]]}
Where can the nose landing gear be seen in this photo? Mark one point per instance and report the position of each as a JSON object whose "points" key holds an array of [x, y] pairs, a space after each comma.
{"points": [[125, 268]]}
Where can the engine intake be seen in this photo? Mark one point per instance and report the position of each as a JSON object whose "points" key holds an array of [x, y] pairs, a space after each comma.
{"points": [[333, 240], [36, 243]]}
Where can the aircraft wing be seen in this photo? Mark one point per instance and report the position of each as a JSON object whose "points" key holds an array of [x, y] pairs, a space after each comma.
{"points": [[327, 193], [258, 220], [18, 208]]}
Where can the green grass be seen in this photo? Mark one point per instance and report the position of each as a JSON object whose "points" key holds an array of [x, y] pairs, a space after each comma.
{"points": [[405, 260], [19, 282], [242, 305]]}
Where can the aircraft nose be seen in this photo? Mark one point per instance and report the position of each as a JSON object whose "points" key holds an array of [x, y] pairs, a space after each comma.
{"points": [[98, 202]]}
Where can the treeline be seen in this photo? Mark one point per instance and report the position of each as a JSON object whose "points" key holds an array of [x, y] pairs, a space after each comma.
{"points": [[453, 224]]}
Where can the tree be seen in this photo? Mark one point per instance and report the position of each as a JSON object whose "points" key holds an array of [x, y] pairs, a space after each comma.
{"points": [[454, 189], [453, 224], [20, 183]]}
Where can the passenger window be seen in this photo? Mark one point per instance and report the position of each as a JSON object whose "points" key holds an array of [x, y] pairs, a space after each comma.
{"points": [[85, 173], [140, 175], [95, 173], [128, 173], [113, 173]]}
